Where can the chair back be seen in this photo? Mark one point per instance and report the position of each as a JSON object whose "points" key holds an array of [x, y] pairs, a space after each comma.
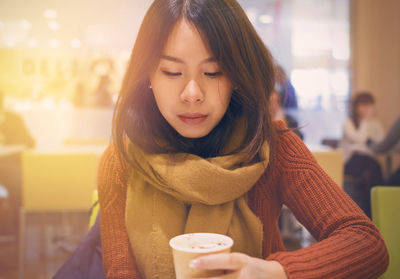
{"points": [[58, 181], [385, 205]]}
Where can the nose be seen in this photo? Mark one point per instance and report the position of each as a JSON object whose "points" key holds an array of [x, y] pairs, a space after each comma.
{"points": [[192, 93]]}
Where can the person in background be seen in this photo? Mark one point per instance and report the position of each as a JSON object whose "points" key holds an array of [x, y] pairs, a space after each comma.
{"points": [[278, 113], [391, 142], [362, 170], [79, 98], [103, 97], [285, 89], [195, 149], [13, 130]]}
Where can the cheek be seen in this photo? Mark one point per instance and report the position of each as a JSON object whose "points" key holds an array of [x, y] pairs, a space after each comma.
{"points": [[360, 111], [225, 92], [223, 99], [162, 101], [226, 99], [160, 93]]}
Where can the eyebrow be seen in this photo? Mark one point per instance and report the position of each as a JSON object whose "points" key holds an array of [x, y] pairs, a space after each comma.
{"points": [[177, 60]]}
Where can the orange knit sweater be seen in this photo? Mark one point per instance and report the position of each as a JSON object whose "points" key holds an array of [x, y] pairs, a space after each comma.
{"points": [[349, 245]]}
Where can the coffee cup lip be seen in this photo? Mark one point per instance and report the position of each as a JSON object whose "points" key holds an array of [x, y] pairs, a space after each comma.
{"points": [[218, 238]]}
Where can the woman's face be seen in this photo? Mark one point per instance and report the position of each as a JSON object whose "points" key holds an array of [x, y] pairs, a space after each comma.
{"points": [[366, 111], [190, 89]]}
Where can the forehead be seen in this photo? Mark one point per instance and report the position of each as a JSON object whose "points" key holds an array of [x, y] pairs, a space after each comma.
{"points": [[185, 41]]}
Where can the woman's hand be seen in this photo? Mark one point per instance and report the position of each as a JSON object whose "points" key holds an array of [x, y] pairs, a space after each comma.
{"points": [[241, 266]]}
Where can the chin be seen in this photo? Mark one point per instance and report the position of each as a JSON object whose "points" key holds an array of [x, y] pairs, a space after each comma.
{"points": [[193, 134]]}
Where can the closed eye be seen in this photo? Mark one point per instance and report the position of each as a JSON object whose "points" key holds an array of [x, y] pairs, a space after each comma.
{"points": [[171, 74], [213, 74]]}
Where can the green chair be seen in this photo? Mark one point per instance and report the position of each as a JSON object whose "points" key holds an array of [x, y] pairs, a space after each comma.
{"points": [[385, 206], [94, 211]]}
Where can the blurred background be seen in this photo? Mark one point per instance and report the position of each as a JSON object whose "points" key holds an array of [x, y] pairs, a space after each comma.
{"points": [[61, 66]]}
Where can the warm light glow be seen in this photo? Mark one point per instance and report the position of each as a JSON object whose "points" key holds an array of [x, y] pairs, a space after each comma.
{"points": [[32, 43], [341, 53], [9, 42], [265, 19], [25, 24], [54, 43], [75, 43], [49, 13], [54, 25], [1, 25], [48, 103]]}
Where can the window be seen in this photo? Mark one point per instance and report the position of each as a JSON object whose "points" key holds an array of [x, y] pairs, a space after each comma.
{"points": [[311, 41]]}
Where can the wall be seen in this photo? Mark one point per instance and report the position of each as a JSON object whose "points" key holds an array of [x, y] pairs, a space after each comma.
{"points": [[376, 54]]}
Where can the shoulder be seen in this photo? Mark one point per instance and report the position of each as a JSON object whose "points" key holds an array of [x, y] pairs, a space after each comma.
{"points": [[290, 149], [348, 123], [349, 127], [112, 166], [112, 155], [291, 160]]}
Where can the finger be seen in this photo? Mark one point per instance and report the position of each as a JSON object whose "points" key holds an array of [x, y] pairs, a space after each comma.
{"points": [[226, 261]]}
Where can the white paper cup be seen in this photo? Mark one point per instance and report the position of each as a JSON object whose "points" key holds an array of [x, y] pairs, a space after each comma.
{"points": [[186, 247]]}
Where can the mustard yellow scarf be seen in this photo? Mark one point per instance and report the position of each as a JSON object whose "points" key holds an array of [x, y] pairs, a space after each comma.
{"points": [[182, 193]]}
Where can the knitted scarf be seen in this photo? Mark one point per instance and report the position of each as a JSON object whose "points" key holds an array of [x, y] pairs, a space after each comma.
{"points": [[169, 195]]}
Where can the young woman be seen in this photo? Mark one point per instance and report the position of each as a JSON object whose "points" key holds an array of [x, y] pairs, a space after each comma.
{"points": [[361, 169], [195, 150], [362, 126]]}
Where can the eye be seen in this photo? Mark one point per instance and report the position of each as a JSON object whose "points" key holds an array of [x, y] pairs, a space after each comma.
{"points": [[171, 74], [213, 74]]}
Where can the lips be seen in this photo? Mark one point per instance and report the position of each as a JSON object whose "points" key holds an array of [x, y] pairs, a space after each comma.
{"points": [[192, 118]]}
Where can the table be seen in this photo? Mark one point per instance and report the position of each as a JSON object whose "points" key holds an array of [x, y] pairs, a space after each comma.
{"points": [[6, 150]]}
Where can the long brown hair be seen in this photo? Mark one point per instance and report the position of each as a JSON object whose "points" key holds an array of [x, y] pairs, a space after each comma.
{"points": [[361, 98], [243, 57]]}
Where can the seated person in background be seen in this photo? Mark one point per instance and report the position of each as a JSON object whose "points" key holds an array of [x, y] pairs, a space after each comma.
{"points": [[388, 144], [390, 141], [79, 98], [362, 171], [285, 89], [12, 128], [278, 113], [103, 96]]}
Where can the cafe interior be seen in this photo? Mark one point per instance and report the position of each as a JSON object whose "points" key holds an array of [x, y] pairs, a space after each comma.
{"points": [[61, 68]]}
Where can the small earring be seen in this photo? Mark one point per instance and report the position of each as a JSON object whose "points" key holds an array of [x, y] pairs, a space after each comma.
{"points": [[150, 86]]}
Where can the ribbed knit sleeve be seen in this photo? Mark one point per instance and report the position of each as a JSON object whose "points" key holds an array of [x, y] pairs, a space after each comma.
{"points": [[349, 245], [118, 260]]}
